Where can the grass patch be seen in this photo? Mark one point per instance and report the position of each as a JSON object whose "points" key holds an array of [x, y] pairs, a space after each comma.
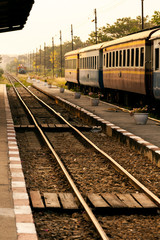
{"points": [[4, 80], [59, 82]]}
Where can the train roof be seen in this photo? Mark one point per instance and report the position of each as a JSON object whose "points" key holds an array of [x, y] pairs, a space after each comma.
{"points": [[145, 34], [91, 48], [132, 37], [85, 49], [74, 52], [155, 35]]}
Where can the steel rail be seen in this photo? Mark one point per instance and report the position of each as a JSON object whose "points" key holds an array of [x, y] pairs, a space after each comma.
{"points": [[116, 165], [75, 189]]}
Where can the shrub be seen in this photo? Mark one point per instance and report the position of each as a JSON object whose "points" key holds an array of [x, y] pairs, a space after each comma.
{"points": [[1, 72]]}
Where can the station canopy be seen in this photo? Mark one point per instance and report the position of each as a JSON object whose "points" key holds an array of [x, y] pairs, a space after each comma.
{"points": [[14, 14]]}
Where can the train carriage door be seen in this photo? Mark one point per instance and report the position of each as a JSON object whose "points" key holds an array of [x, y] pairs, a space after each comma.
{"points": [[156, 68], [77, 67], [101, 69]]}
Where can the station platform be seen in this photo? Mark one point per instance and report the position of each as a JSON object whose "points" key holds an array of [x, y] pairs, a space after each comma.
{"points": [[146, 138], [16, 221]]}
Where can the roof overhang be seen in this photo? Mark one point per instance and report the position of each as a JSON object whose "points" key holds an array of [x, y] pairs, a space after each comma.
{"points": [[14, 14]]}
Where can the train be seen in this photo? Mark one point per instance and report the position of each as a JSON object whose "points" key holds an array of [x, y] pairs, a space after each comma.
{"points": [[126, 69], [21, 69]]}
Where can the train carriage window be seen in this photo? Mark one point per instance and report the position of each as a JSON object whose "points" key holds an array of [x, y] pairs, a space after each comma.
{"points": [[128, 57], [74, 63], [113, 59], [142, 57], [120, 58], [107, 60], [110, 59], [66, 64], [95, 62], [104, 60], [124, 58], [116, 58], [137, 57], [132, 57], [156, 58]]}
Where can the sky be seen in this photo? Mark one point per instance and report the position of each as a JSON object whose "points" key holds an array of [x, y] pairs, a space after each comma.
{"points": [[48, 17]]}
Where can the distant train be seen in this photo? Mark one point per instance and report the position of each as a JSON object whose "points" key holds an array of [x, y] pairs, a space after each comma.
{"points": [[128, 67], [21, 69]]}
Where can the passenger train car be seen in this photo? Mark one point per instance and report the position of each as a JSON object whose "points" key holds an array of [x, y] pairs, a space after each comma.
{"points": [[90, 68], [72, 67], [155, 38], [129, 65]]}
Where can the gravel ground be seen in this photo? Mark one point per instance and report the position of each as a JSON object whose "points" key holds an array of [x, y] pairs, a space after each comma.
{"points": [[92, 173]]}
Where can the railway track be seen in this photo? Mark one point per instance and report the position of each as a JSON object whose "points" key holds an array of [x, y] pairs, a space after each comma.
{"points": [[101, 154]]}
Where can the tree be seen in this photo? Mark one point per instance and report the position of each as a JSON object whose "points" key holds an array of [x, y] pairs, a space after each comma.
{"points": [[123, 27], [156, 18], [1, 72]]}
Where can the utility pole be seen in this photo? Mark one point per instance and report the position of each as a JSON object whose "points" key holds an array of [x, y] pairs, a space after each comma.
{"points": [[30, 62], [44, 58], [61, 50], [53, 55], [36, 60], [72, 35], [40, 59], [142, 16], [33, 61], [95, 12]]}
